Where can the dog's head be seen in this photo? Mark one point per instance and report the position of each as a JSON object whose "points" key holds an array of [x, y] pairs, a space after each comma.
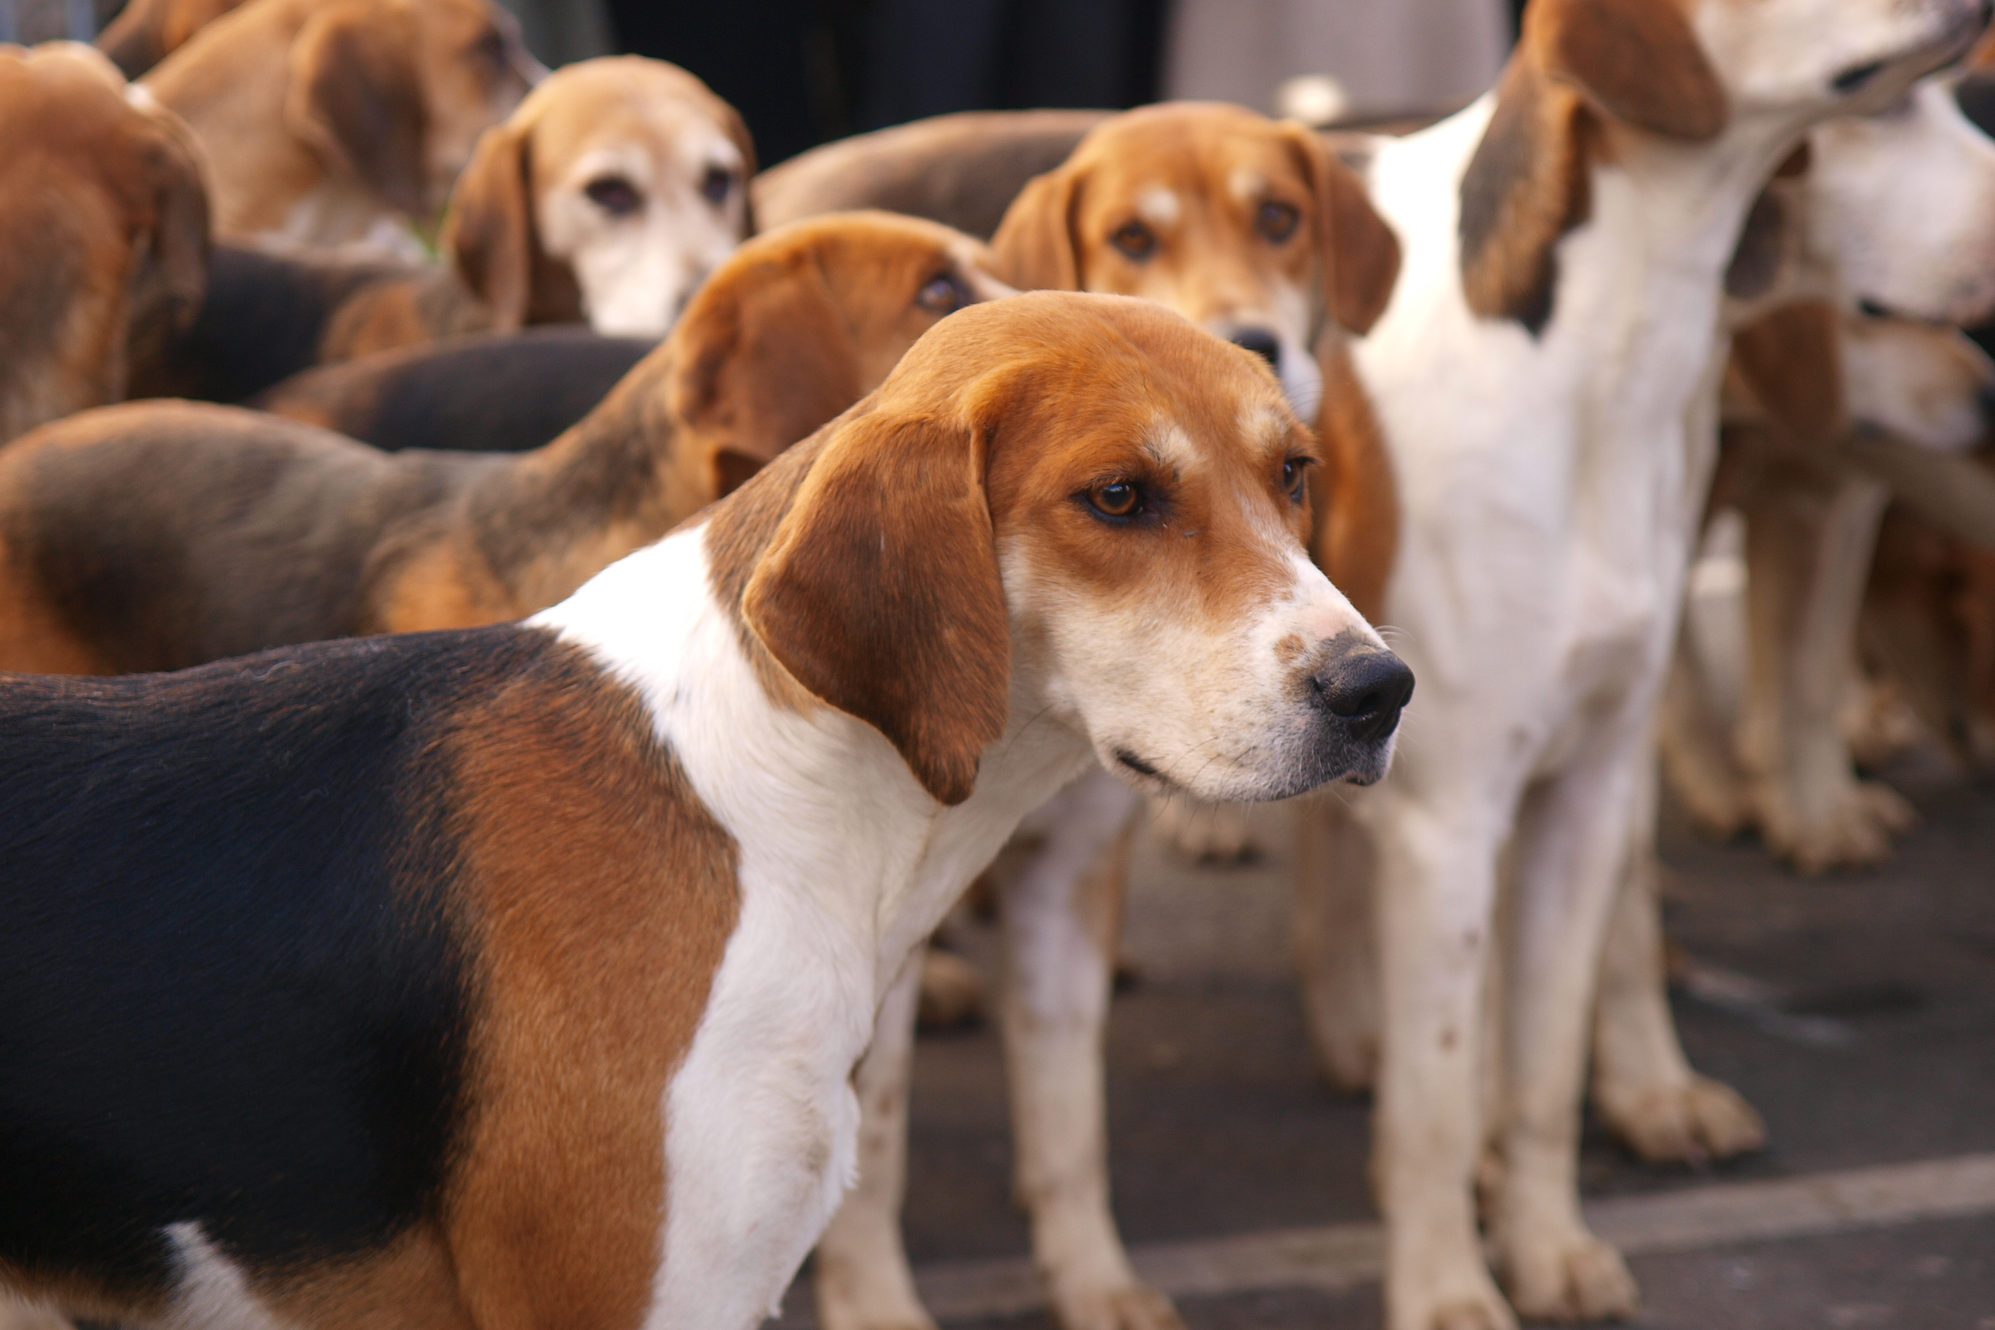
{"points": [[1592, 77], [1244, 225], [1086, 507], [796, 326], [608, 196], [394, 93], [103, 231], [1901, 202]]}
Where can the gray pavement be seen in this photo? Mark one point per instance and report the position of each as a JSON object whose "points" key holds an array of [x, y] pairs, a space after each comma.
{"points": [[1857, 1012]]}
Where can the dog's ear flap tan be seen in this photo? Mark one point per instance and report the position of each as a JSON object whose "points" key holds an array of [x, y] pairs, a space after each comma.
{"points": [[355, 96], [762, 358], [1636, 60], [880, 592], [173, 276], [488, 232], [1358, 250], [1035, 247], [1789, 361]]}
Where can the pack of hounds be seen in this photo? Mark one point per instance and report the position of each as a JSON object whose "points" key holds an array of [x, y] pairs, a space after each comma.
{"points": [[495, 708]]}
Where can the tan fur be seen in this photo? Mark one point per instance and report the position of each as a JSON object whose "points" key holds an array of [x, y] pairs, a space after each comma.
{"points": [[626, 919], [345, 540], [1786, 372], [103, 233], [325, 120], [1356, 538], [492, 235], [145, 32], [1057, 233]]}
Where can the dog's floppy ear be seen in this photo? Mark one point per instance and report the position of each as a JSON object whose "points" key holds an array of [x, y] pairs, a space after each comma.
{"points": [[355, 96], [761, 358], [488, 231], [1635, 60], [1790, 363], [1358, 250], [173, 273], [880, 591], [1035, 246]]}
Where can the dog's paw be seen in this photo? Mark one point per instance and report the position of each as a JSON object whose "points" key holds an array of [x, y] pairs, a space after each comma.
{"points": [[1206, 833], [1850, 828], [1469, 1301], [1129, 1307], [1572, 1277], [1697, 1122], [952, 993]]}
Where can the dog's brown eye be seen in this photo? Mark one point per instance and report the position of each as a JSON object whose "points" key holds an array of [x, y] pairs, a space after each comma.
{"points": [[944, 294], [1276, 221], [1135, 241], [614, 195], [1295, 476], [716, 185], [1119, 499]]}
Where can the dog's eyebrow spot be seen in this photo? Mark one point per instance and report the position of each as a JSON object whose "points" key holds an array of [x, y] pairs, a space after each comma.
{"points": [[1159, 206], [1246, 185]]}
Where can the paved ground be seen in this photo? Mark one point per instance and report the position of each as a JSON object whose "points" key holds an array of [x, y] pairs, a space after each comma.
{"points": [[1857, 1012]]}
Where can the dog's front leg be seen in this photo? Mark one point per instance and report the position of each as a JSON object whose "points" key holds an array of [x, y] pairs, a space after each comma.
{"points": [[1434, 895], [1336, 942], [1572, 840], [1810, 542], [863, 1278], [1643, 1084], [1061, 912]]}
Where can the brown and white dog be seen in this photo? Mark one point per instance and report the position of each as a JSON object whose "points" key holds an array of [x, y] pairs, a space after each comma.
{"points": [[1546, 375], [145, 32], [516, 976], [161, 535], [343, 121], [103, 232], [1252, 229], [606, 197]]}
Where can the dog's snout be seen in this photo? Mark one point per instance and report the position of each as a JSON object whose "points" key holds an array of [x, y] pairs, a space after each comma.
{"points": [[1366, 687], [1260, 341]]}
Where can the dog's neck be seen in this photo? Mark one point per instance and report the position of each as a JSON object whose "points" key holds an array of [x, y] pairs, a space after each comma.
{"points": [[616, 481], [828, 817]]}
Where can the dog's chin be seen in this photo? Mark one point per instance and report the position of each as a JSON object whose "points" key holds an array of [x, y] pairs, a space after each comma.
{"points": [[1349, 764], [1302, 384]]}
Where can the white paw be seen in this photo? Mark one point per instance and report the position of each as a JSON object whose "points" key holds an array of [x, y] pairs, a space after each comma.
{"points": [[952, 992], [1574, 1277], [1851, 828], [1206, 833], [1129, 1307], [1469, 1301], [1697, 1122]]}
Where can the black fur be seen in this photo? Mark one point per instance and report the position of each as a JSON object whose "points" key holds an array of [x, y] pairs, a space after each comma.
{"points": [[234, 983], [497, 392], [1975, 95], [266, 316]]}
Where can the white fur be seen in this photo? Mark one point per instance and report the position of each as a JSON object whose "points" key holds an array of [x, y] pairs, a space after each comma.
{"points": [[637, 271], [1551, 489], [211, 1293]]}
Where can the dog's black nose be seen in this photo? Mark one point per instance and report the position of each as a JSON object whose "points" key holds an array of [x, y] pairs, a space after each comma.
{"points": [[1261, 342], [1367, 687]]}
